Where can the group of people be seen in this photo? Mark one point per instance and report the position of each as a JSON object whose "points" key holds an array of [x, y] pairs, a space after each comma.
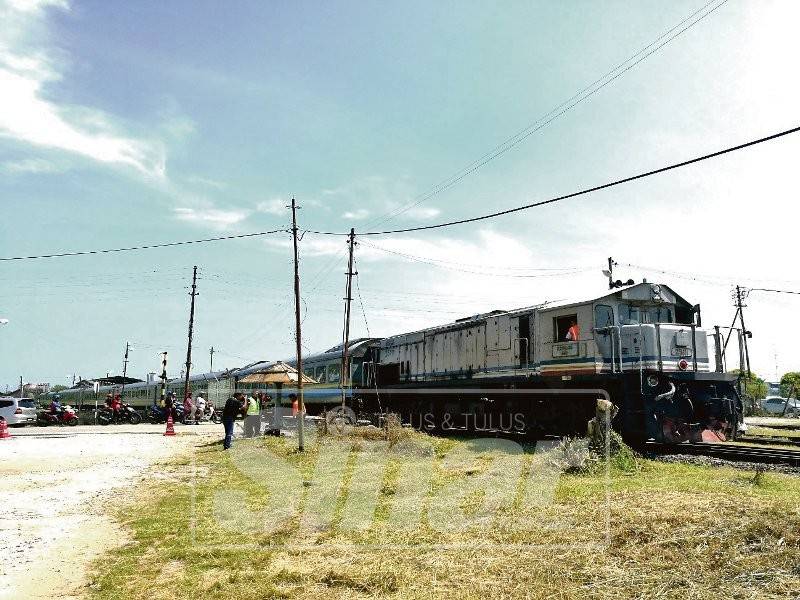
{"points": [[194, 410], [250, 407]]}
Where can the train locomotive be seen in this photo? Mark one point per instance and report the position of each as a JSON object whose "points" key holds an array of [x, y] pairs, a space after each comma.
{"points": [[539, 370]]}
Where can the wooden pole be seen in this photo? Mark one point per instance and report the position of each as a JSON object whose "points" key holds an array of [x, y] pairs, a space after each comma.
{"points": [[344, 376], [186, 391], [298, 335]]}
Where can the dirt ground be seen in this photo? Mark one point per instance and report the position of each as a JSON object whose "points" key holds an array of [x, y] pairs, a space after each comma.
{"points": [[56, 485]]}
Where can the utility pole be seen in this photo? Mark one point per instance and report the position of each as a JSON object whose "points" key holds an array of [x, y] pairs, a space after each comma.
{"points": [[344, 377], [745, 334], [610, 273], [125, 369], [186, 391], [163, 394], [21, 387], [718, 350], [297, 334], [211, 366]]}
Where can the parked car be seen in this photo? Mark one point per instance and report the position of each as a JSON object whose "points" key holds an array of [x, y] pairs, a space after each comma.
{"points": [[18, 411], [774, 405]]}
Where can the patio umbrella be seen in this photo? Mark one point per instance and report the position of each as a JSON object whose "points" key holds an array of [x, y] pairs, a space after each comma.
{"points": [[278, 373]]}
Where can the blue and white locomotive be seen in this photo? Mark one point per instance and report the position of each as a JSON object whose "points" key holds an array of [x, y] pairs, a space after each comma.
{"points": [[543, 367]]}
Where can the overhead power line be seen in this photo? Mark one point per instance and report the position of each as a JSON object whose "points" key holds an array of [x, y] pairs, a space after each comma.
{"points": [[559, 110], [147, 247], [491, 272], [574, 194], [773, 291]]}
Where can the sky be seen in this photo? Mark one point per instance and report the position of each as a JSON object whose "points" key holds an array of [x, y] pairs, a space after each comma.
{"points": [[126, 124]]}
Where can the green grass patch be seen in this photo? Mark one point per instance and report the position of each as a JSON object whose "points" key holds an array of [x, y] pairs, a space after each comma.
{"points": [[430, 517]]}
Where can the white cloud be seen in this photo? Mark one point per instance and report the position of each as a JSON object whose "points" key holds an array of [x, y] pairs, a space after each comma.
{"points": [[423, 212], [356, 215], [211, 217], [276, 206], [377, 195], [31, 165], [27, 116]]}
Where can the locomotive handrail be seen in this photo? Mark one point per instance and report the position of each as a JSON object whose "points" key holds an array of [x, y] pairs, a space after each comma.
{"points": [[658, 346], [610, 330], [694, 346], [527, 350]]}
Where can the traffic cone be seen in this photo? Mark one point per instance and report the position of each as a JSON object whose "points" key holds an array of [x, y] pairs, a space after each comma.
{"points": [[4, 433], [170, 426]]}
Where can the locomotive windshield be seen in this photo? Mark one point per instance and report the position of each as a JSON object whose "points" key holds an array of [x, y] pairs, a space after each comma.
{"points": [[633, 315]]}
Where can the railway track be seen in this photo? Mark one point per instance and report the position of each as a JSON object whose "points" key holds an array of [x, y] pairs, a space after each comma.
{"points": [[732, 452], [769, 440]]}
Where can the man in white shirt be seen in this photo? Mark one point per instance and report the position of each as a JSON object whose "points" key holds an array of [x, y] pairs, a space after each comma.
{"points": [[199, 408]]}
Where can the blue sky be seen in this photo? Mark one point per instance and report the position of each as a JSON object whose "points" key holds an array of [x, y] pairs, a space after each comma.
{"points": [[128, 123]]}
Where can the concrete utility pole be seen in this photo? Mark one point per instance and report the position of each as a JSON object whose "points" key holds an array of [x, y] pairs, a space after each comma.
{"points": [[186, 391], [124, 369], [344, 377], [300, 403], [211, 366], [610, 273], [21, 387]]}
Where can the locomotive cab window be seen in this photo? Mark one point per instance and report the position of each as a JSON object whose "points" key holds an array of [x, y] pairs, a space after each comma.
{"points": [[561, 327], [603, 316], [635, 315]]}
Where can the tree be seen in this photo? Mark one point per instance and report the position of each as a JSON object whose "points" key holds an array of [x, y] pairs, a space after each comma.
{"points": [[58, 388], [792, 378], [755, 388]]}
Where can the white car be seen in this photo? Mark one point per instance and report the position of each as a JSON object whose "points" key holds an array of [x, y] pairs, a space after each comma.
{"points": [[774, 405], [18, 411]]}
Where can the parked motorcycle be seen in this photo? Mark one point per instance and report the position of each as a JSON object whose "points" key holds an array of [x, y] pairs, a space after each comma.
{"points": [[210, 414], [66, 416], [126, 414], [156, 415]]}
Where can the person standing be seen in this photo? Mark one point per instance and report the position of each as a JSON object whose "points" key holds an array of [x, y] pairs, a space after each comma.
{"points": [[252, 422], [188, 407], [199, 407], [233, 407]]}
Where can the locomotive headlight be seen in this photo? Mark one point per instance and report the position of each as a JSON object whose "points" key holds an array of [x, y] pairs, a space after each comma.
{"points": [[652, 380]]}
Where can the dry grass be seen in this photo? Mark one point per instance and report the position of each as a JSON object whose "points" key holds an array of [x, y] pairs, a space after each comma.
{"points": [[762, 431], [676, 531]]}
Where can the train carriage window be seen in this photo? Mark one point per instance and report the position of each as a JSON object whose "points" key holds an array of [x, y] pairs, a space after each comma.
{"points": [[561, 326], [603, 316], [334, 371]]}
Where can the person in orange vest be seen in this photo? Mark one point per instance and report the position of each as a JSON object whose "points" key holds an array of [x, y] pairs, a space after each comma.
{"points": [[574, 332]]}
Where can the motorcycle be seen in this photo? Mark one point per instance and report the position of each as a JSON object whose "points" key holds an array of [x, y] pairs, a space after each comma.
{"points": [[126, 414], [157, 415], [66, 416], [209, 415]]}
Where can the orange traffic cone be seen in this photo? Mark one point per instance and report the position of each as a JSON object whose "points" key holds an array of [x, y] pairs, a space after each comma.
{"points": [[170, 426], [4, 433]]}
